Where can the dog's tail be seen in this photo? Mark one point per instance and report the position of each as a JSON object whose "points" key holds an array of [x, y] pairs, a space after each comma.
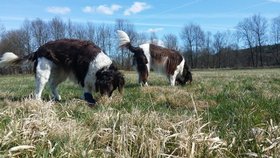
{"points": [[123, 38], [11, 59], [125, 42]]}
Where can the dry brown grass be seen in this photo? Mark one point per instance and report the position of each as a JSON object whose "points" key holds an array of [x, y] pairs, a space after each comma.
{"points": [[36, 128], [34, 123], [177, 125], [175, 97], [107, 102]]}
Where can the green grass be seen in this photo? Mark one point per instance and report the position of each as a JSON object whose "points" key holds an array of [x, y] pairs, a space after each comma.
{"points": [[223, 113]]}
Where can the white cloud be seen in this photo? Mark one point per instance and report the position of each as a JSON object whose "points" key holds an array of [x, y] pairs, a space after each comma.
{"points": [[275, 1], [154, 30], [103, 9], [108, 10], [59, 10], [88, 9], [136, 8]]}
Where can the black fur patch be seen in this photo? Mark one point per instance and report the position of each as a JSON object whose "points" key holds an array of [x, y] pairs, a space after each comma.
{"points": [[109, 79], [185, 77], [89, 99], [141, 60]]}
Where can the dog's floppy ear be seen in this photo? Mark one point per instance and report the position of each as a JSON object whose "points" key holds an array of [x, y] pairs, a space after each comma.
{"points": [[187, 74], [189, 77], [97, 86], [121, 83], [119, 80], [97, 82], [113, 67]]}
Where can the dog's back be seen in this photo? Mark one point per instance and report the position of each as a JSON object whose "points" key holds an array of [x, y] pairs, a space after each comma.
{"points": [[80, 60], [167, 61]]}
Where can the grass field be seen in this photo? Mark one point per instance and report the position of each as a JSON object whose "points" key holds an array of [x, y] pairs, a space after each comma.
{"points": [[223, 113]]}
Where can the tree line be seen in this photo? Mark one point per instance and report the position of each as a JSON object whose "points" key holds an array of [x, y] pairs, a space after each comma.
{"points": [[254, 43]]}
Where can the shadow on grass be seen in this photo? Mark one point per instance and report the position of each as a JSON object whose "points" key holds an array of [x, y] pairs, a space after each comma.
{"points": [[132, 85], [14, 98], [46, 98]]}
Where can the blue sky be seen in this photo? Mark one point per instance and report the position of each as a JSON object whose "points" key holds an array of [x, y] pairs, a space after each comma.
{"points": [[160, 16]]}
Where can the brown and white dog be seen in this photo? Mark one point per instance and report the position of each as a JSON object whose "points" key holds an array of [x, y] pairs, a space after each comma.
{"points": [[150, 56], [81, 61]]}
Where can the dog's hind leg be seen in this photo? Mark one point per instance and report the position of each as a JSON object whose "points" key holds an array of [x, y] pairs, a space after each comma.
{"points": [[54, 91], [142, 79], [43, 71], [56, 78]]}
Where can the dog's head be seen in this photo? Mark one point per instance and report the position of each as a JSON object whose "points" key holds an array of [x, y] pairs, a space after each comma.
{"points": [[185, 77], [108, 80]]}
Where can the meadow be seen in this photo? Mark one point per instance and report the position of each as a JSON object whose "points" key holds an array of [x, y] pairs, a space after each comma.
{"points": [[223, 113]]}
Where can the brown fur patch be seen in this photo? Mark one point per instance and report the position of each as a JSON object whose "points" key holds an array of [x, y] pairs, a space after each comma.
{"points": [[71, 54], [159, 54]]}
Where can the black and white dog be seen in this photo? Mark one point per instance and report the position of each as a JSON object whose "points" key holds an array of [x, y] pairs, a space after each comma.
{"points": [[150, 56], [81, 61]]}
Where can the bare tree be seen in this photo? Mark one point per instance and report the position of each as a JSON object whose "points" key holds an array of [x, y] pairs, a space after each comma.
{"points": [[13, 41], [79, 31], [128, 27], [69, 29], [27, 37], [40, 32], [170, 41], [125, 25], [275, 30], [109, 42], [275, 34], [104, 35], [208, 47], [218, 45], [187, 36], [245, 32], [193, 38], [17, 41], [141, 38], [91, 32], [101, 35], [199, 42], [259, 26], [2, 30], [230, 46], [57, 28]]}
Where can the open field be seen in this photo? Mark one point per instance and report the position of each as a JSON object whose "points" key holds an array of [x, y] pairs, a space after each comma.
{"points": [[223, 113]]}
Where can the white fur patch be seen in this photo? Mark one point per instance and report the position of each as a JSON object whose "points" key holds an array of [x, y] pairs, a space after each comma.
{"points": [[43, 72], [101, 61], [123, 37], [146, 49], [7, 58], [180, 67], [179, 71]]}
